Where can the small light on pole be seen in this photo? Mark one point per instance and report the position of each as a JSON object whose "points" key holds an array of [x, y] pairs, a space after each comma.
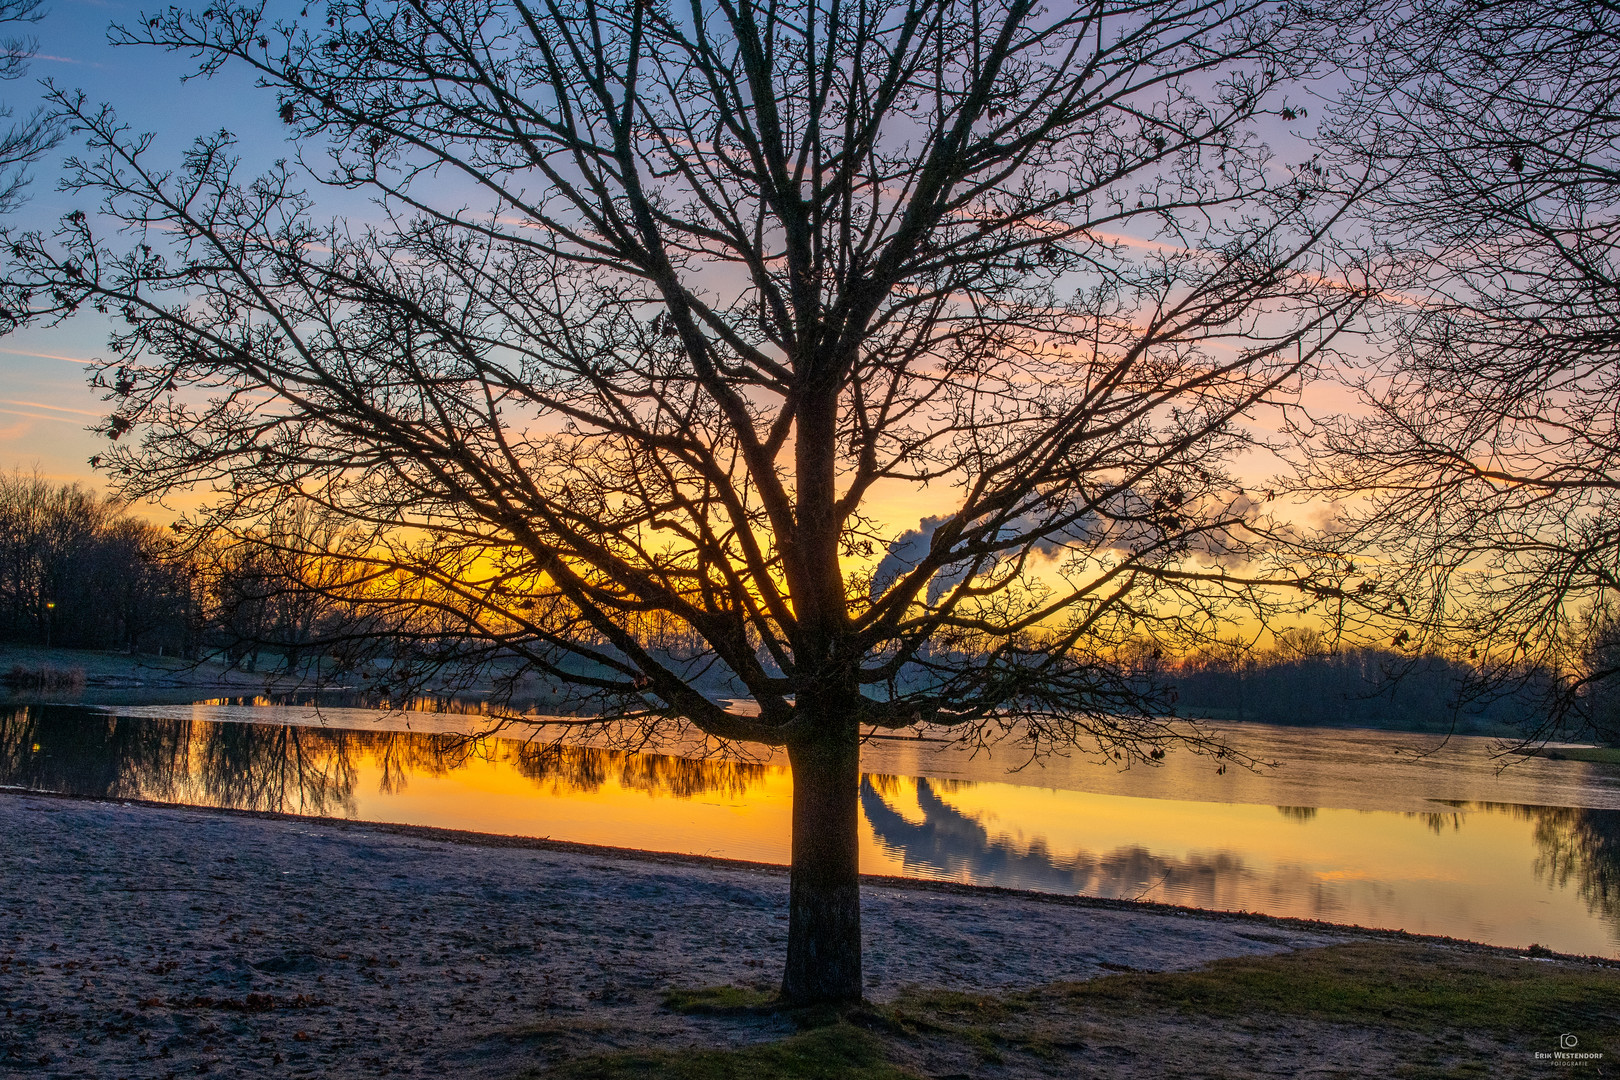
{"points": [[50, 618]]}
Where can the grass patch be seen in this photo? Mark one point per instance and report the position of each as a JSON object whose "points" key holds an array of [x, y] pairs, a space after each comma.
{"points": [[720, 1001], [560, 1030], [836, 1052], [1429, 996], [43, 677], [954, 1007], [1453, 1012], [1406, 986]]}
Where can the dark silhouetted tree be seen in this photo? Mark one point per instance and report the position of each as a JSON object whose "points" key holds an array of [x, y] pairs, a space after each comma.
{"points": [[77, 570], [1483, 459], [23, 141], [278, 583], [661, 302]]}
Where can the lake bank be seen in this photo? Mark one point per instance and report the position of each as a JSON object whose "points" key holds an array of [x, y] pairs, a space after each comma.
{"points": [[93, 670], [142, 940], [112, 671], [1357, 828]]}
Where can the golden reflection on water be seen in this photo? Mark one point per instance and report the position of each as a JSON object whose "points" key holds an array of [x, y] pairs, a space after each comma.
{"points": [[1495, 872], [1511, 875]]}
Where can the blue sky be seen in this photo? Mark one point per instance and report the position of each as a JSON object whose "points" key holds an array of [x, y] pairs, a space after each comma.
{"points": [[45, 403]]}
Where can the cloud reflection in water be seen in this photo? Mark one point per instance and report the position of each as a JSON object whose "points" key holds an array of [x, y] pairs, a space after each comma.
{"points": [[949, 843]]}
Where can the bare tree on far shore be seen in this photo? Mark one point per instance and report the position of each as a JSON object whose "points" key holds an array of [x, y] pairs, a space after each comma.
{"points": [[667, 312], [1484, 466], [78, 571]]}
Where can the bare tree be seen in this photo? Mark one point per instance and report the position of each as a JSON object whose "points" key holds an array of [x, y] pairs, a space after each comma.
{"points": [[1600, 662], [22, 142], [1486, 459], [79, 571], [279, 584], [662, 302]]}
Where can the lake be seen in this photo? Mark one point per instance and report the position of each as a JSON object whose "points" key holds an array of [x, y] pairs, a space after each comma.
{"points": [[1372, 828]]}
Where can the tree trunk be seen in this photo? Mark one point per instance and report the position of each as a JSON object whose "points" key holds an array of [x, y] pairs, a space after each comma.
{"points": [[824, 894]]}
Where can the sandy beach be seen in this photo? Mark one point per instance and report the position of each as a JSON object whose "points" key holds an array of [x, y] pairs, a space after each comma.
{"points": [[146, 941]]}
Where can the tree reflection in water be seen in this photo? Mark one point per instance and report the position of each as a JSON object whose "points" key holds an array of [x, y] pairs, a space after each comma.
{"points": [[1583, 845], [582, 768], [305, 770], [245, 766], [1576, 845], [949, 843]]}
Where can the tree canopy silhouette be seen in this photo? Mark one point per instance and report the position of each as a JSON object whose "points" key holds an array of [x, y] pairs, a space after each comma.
{"points": [[664, 308], [23, 141], [1484, 457]]}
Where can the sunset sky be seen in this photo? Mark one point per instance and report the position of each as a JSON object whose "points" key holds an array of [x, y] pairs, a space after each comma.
{"points": [[45, 404]]}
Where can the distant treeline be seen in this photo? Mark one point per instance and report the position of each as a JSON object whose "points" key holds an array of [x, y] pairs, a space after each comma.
{"points": [[78, 570], [1303, 682]]}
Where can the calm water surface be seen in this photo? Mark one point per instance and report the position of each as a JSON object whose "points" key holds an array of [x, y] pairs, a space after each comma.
{"points": [[1373, 828]]}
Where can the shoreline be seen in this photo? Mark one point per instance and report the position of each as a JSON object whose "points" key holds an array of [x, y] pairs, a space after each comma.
{"points": [[111, 670], [143, 939], [499, 841]]}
